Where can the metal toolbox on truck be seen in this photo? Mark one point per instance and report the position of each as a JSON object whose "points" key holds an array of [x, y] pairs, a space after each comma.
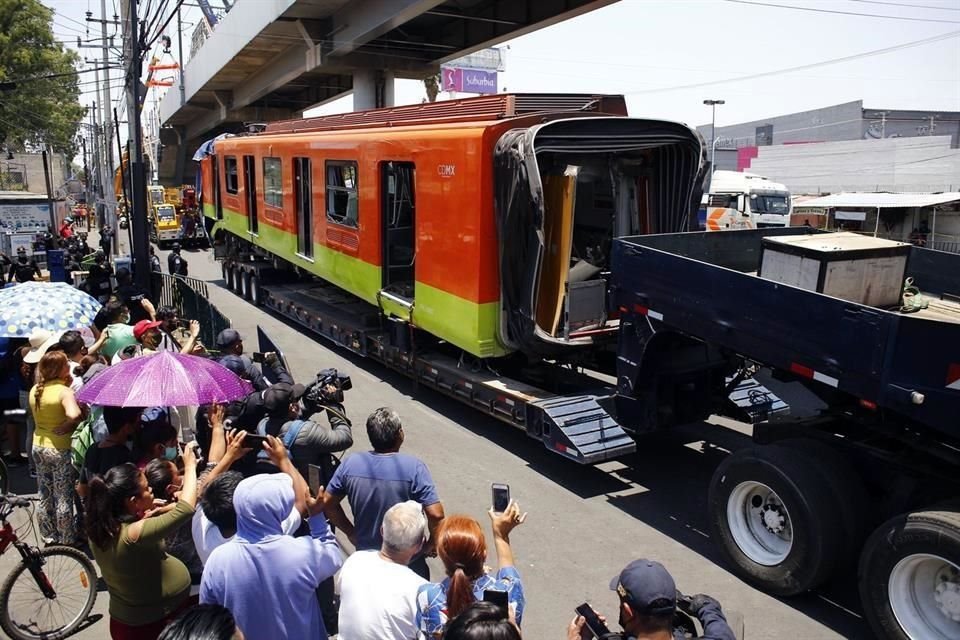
{"points": [[848, 266]]}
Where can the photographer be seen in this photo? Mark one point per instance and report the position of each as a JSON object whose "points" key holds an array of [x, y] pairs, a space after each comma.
{"points": [[648, 608], [309, 442]]}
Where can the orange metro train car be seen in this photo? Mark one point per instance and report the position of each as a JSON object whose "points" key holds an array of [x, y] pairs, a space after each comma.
{"points": [[486, 222]]}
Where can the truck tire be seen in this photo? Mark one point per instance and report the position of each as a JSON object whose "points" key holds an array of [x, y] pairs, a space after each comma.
{"points": [[255, 293], [910, 577], [849, 493], [225, 270], [244, 285], [235, 279], [775, 519]]}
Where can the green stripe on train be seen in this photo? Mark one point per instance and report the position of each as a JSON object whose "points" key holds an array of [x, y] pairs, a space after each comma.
{"points": [[468, 325]]}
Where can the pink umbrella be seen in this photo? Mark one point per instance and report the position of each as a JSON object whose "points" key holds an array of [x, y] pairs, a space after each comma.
{"points": [[164, 379]]}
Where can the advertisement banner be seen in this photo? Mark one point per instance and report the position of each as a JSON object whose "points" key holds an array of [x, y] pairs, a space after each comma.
{"points": [[468, 80], [479, 81], [24, 218]]}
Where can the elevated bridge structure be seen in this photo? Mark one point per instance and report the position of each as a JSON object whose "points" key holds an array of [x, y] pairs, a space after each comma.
{"points": [[274, 59]]}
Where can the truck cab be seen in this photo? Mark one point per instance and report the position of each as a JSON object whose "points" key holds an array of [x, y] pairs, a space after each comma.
{"points": [[738, 200], [166, 226]]}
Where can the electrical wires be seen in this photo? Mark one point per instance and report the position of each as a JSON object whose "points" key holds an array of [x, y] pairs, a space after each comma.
{"points": [[836, 11]]}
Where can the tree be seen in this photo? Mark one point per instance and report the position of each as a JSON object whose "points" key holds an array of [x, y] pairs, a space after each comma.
{"points": [[431, 84], [34, 107]]}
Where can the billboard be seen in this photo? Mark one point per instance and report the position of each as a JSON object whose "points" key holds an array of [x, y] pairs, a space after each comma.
{"points": [[18, 218], [465, 80]]}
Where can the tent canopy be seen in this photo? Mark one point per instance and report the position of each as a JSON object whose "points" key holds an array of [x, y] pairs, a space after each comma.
{"points": [[882, 200]]}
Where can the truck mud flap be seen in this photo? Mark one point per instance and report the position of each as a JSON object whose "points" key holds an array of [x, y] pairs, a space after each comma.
{"points": [[579, 428], [752, 402]]}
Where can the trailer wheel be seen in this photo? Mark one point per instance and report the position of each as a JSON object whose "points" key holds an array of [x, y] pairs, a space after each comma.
{"points": [[775, 519], [225, 270], [234, 283], [910, 577], [849, 493], [245, 285], [255, 291]]}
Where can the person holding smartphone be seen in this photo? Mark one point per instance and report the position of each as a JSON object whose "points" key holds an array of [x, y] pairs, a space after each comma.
{"points": [[462, 547], [649, 601]]}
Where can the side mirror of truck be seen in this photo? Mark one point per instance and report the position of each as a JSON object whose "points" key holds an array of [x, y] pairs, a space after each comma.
{"points": [[742, 203]]}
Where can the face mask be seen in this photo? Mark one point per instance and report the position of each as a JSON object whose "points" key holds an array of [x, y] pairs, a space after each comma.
{"points": [[125, 319], [170, 453]]}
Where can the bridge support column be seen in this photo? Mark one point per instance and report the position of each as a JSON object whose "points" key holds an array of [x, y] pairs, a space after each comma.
{"points": [[372, 89]]}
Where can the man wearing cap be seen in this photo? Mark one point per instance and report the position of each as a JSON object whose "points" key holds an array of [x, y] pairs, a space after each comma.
{"points": [[176, 264], [25, 268], [230, 345], [148, 334], [106, 238], [307, 441], [137, 300], [648, 603]]}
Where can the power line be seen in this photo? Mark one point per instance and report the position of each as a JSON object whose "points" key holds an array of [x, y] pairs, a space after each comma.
{"points": [[844, 13], [909, 6], [804, 67]]}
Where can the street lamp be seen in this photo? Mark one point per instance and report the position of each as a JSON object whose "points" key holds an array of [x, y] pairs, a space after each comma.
{"points": [[713, 131]]}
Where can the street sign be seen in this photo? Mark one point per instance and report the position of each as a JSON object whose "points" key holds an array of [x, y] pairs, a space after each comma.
{"points": [[469, 80]]}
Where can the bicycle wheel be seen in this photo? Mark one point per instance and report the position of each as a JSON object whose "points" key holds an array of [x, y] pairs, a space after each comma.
{"points": [[27, 614]]}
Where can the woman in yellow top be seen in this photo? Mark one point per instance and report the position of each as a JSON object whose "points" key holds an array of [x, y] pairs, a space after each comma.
{"points": [[56, 414]]}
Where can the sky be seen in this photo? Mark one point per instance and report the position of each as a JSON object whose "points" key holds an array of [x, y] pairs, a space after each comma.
{"points": [[646, 48]]}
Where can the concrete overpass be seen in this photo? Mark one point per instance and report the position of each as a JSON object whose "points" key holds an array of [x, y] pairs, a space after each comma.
{"points": [[273, 59]]}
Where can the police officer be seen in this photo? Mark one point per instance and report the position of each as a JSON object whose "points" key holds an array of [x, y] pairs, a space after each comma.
{"points": [[648, 606], [176, 264], [25, 268]]}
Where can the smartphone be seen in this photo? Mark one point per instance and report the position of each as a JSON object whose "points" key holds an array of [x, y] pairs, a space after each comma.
{"points": [[498, 598], [314, 474], [257, 357], [594, 623], [254, 441], [501, 497]]}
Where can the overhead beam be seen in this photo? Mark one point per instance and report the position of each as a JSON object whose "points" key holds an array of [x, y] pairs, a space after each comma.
{"points": [[363, 20]]}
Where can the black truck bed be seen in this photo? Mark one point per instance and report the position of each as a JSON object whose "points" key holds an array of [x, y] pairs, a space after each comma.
{"points": [[701, 284]]}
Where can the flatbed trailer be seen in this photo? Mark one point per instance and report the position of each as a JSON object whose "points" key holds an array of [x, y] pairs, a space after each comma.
{"points": [[884, 456]]}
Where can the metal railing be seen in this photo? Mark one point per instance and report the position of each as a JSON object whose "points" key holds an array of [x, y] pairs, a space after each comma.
{"points": [[190, 298]]}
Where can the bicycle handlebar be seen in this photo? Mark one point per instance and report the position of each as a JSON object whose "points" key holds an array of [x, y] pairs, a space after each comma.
{"points": [[14, 501]]}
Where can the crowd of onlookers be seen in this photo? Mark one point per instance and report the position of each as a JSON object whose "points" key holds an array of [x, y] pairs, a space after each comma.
{"points": [[219, 521]]}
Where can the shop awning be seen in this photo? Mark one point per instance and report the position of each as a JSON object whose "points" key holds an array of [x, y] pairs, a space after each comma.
{"points": [[882, 200]]}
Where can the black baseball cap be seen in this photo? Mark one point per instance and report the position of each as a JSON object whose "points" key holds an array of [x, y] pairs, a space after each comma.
{"points": [[281, 395], [227, 337], [647, 587]]}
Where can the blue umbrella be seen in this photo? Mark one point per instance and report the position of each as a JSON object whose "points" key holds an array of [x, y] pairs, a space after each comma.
{"points": [[54, 306]]}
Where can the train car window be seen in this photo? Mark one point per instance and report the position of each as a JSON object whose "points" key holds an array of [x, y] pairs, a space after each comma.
{"points": [[231, 181], [342, 202], [272, 182]]}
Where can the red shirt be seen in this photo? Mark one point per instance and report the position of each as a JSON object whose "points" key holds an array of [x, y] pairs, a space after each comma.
{"points": [[66, 231]]}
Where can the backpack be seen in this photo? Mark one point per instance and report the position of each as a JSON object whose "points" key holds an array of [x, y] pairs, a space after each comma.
{"points": [[80, 441]]}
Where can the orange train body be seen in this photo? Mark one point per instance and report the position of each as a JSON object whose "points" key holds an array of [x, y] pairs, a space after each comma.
{"points": [[253, 186]]}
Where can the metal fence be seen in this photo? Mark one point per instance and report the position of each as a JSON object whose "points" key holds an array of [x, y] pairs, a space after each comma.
{"points": [[13, 176], [190, 298]]}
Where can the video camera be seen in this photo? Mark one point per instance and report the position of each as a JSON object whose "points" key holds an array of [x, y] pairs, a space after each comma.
{"points": [[318, 394]]}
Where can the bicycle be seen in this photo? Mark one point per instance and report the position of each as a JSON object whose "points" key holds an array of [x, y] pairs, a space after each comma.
{"points": [[51, 592]]}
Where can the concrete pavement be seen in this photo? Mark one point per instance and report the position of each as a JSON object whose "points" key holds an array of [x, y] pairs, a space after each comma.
{"points": [[584, 523]]}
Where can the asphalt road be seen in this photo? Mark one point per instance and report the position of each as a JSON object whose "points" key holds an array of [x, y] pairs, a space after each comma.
{"points": [[584, 523]]}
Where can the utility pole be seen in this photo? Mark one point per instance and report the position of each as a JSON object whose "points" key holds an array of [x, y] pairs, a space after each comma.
{"points": [[713, 132], [86, 170], [110, 196], [138, 191]]}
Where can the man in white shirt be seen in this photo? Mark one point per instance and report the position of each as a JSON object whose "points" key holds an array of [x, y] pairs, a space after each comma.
{"points": [[378, 592]]}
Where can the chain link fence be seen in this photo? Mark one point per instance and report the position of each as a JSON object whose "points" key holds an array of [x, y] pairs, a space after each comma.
{"points": [[13, 176], [190, 298]]}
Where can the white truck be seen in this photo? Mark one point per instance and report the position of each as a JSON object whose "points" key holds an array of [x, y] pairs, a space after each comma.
{"points": [[738, 200]]}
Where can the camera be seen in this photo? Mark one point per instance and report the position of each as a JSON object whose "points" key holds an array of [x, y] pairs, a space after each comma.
{"points": [[318, 394]]}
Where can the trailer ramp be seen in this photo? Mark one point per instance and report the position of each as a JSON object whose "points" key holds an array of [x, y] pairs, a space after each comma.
{"points": [[579, 428]]}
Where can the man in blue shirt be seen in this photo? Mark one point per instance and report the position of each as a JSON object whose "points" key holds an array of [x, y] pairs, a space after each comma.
{"points": [[374, 481]]}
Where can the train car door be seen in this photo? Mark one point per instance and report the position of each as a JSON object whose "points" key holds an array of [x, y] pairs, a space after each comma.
{"points": [[398, 237], [303, 191], [250, 187], [217, 200]]}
